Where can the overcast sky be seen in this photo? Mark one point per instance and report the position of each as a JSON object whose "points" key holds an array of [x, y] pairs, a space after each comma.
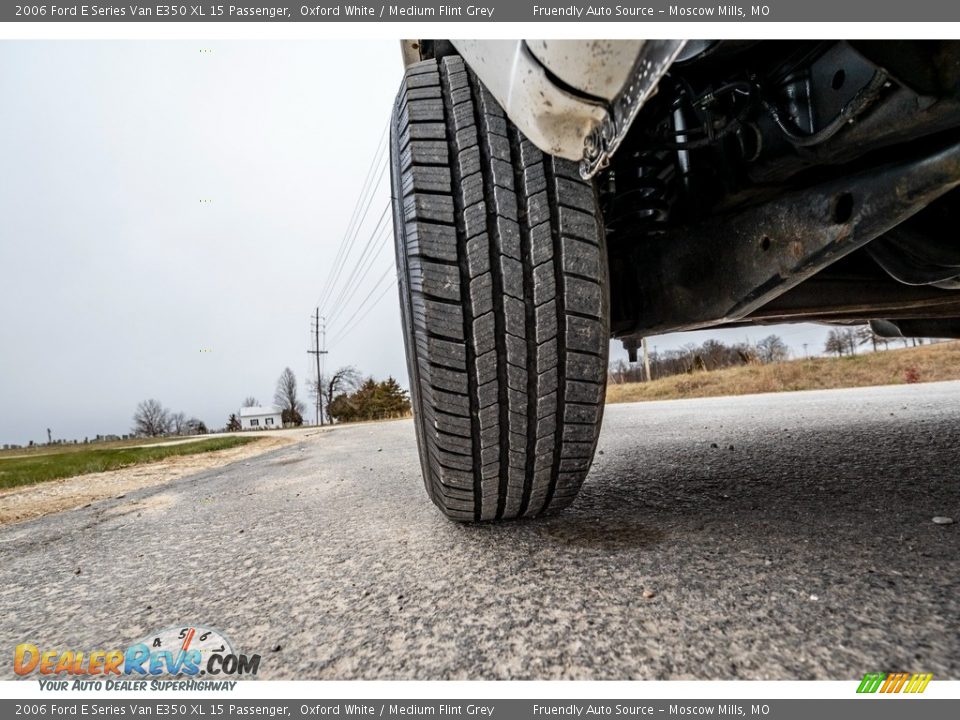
{"points": [[169, 212]]}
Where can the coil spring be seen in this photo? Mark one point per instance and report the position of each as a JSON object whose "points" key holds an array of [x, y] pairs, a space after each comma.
{"points": [[651, 188], [643, 198]]}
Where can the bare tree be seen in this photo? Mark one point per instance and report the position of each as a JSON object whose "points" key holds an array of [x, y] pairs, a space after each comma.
{"points": [[772, 349], [285, 398], [618, 372], [851, 339], [865, 334], [713, 353], [250, 401], [835, 342], [151, 419], [178, 423], [344, 381]]}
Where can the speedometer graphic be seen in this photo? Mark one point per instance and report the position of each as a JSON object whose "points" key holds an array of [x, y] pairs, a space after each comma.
{"points": [[191, 645]]}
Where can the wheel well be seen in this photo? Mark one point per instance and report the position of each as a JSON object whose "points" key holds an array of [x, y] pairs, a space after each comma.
{"points": [[435, 49]]}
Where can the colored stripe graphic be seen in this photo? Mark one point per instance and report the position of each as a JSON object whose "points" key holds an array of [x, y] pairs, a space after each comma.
{"points": [[918, 683], [870, 683], [894, 682]]}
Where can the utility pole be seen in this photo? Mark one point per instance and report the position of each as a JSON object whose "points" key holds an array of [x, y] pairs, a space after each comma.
{"points": [[646, 361], [317, 352], [805, 353]]}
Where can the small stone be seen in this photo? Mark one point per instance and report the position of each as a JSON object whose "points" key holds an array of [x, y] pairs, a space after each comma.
{"points": [[942, 520], [731, 448], [714, 445], [814, 597], [647, 594], [77, 571], [120, 496], [600, 452], [241, 532], [276, 648], [379, 449]]}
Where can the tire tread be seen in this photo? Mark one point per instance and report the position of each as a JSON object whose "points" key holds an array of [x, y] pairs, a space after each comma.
{"points": [[502, 250]]}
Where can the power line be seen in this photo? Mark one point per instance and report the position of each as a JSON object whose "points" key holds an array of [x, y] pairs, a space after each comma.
{"points": [[364, 189], [345, 307], [361, 268], [376, 286], [348, 243], [353, 241], [377, 169], [343, 334], [341, 328], [340, 268], [342, 285]]}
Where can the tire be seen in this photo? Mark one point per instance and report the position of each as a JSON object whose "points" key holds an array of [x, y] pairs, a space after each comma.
{"points": [[503, 287]]}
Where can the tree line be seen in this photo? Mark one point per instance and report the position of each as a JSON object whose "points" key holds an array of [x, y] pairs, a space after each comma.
{"points": [[709, 355], [716, 355], [845, 340], [152, 419], [344, 395]]}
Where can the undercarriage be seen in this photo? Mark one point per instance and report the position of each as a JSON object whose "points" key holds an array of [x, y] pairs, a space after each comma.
{"points": [[776, 182]]}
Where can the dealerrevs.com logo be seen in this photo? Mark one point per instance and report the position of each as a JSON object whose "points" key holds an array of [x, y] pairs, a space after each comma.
{"points": [[185, 653]]}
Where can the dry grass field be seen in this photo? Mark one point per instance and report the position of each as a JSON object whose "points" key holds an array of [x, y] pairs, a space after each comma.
{"points": [[926, 363]]}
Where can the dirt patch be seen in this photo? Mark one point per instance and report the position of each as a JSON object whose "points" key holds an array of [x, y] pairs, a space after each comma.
{"points": [[32, 501]]}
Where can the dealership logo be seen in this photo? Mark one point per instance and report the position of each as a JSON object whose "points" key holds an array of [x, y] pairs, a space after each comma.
{"points": [[894, 683], [192, 651]]}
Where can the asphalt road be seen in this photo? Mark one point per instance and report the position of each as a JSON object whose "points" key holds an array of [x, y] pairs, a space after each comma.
{"points": [[783, 536]]}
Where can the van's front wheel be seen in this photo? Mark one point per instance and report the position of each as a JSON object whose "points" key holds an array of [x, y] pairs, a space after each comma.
{"points": [[503, 287]]}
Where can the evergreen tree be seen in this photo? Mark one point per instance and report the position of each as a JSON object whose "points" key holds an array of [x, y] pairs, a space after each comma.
{"points": [[372, 400]]}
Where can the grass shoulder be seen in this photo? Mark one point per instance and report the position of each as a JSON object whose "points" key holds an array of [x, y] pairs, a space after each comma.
{"points": [[28, 468]]}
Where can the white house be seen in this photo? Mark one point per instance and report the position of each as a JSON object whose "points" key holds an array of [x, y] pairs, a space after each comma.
{"points": [[260, 418]]}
